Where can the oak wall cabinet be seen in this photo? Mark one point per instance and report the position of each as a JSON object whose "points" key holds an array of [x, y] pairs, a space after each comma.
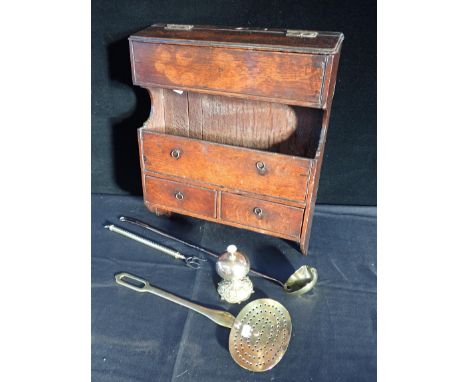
{"points": [[238, 123]]}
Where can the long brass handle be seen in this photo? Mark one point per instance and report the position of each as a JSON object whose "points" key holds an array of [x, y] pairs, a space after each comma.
{"points": [[221, 317]]}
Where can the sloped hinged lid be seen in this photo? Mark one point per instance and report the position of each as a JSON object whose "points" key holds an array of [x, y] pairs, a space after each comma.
{"points": [[280, 40]]}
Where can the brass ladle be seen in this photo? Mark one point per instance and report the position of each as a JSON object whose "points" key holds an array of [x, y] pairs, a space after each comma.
{"points": [[300, 282]]}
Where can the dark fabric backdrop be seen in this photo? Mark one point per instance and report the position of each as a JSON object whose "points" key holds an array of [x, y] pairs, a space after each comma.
{"points": [[119, 108], [137, 337]]}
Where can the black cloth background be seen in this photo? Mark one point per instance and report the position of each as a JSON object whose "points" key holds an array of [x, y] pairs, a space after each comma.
{"points": [[119, 108], [141, 337]]}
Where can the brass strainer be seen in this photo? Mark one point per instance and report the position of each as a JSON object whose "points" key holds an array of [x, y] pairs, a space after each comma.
{"points": [[259, 335]]}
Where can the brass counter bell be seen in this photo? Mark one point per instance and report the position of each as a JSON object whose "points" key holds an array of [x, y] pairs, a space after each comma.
{"points": [[233, 267]]}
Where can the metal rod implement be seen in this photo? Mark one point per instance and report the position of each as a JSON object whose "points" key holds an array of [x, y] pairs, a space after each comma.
{"points": [[300, 282], [192, 261]]}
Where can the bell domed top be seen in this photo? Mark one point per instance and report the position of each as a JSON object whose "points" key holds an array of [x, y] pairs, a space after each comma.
{"points": [[232, 264]]}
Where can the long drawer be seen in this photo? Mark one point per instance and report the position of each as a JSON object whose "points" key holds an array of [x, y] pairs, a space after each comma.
{"points": [[261, 214], [180, 197], [225, 166]]}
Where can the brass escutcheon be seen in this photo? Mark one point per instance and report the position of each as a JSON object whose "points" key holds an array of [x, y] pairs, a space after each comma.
{"points": [[258, 211], [175, 153], [261, 167]]}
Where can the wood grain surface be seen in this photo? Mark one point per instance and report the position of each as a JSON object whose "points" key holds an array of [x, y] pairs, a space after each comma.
{"points": [[180, 197], [267, 75], [250, 38], [285, 129], [315, 175], [226, 166], [258, 213]]}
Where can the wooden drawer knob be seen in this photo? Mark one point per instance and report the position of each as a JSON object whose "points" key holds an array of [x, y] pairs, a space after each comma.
{"points": [[179, 195], [175, 153], [261, 167], [258, 211]]}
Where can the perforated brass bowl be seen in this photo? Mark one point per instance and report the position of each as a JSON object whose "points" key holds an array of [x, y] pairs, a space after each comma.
{"points": [[260, 335]]}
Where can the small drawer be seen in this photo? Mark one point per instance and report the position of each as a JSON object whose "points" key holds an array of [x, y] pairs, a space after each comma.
{"points": [[235, 168], [180, 197], [262, 214]]}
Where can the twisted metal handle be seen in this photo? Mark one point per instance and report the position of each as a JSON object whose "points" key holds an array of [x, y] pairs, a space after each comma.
{"points": [[192, 261]]}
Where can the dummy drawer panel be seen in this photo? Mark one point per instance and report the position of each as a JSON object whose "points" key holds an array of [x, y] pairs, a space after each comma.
{"points": [[262, 214], [225, 166], [236, 72], [180, 197]]}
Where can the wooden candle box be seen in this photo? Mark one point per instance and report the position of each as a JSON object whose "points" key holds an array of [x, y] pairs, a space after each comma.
{"points": [[238, 123]]}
